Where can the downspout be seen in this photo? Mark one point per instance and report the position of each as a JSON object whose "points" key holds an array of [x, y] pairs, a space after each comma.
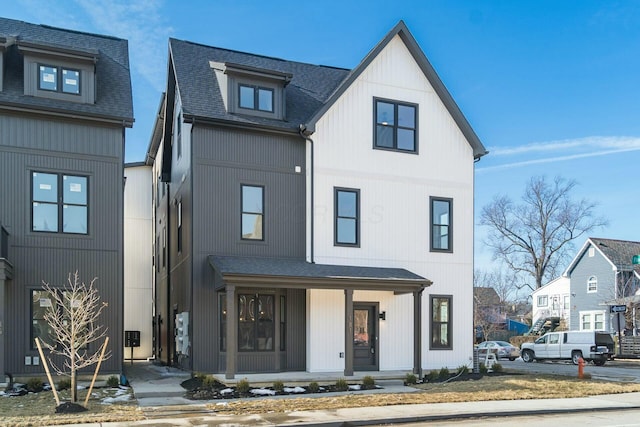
{"points": [[306, 135], [170, 317]]}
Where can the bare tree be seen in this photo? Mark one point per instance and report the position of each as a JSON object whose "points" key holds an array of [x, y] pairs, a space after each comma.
{"points": [[73, 317], [534, 237], [493, 294]]}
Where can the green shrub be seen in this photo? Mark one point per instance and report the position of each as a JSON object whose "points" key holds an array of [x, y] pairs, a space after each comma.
{"points": [[34, 385], [463, 370], [342, 385], [208, 381], [483, 368], [243, 386], [64, 384], [314, 387], [278, 386], [496, 367], [410, 379], [199, 376], [368, 382], [112, 381], [444, 373], [431, 376]]}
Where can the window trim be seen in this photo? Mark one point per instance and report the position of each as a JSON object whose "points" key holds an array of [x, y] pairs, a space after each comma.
{"points": [[449, 322], [395, 126], [32, 337], [432, 200], [592, 280], [256, 322], [60, 202], [540, 298], [336, 191], [243, 212]]}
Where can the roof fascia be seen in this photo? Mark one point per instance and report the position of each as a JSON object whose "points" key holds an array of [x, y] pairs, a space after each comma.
{"points": [[412, 45], [580, 253], [68, 52], [156, 135], [192, 119], [246, 70], [124, 121]]}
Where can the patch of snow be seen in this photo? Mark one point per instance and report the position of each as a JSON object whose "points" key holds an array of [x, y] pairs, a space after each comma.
{"points": [[263, 392], [110, 400], [226, 391], [355, 387], [294, 390], [222, 404]]}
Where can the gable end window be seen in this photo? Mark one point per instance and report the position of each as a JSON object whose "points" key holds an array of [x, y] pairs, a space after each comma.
{"points": [[59, 203], [396, 126], [543, 301], [347, 217], [441, 224], [592, 284], [256, 98], [252, 212], [58, 79], [441, 322]]}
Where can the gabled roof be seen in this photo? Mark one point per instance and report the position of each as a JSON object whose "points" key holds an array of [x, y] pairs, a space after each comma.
{"points": [[287, 272], [114, 100], [486, 295], [619, 253], [402, 31], [310, 93]]}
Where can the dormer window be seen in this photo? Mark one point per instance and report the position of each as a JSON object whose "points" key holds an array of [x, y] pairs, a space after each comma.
{"points": [[58, 79], [256, 98]]}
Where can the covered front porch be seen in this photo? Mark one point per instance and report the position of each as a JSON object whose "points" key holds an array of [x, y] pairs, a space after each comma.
{"points": [[233, 273]]}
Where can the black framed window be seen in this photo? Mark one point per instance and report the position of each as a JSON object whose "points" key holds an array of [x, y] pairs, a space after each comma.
{"points": [[441, 315], [41, 301], [396, 125], [441, 224], [347, 217], [179, 225], [59, 203], [58, 79], [255, 98], [256, 322], [252, 212]]}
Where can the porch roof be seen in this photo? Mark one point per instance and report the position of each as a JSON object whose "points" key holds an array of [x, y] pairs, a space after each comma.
{"points": [[298, 273]]}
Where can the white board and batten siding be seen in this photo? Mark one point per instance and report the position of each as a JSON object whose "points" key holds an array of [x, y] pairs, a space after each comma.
{"points": [[138, 256], [394, 200]]}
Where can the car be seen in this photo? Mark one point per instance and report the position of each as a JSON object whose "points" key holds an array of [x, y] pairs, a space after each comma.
{"points": [[503, 349]]}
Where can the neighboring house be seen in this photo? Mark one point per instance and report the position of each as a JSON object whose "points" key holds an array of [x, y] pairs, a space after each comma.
{"points": [[601, 275], [138, 259], [552, 301], [65, 101], [489, 313], [310, 217]]}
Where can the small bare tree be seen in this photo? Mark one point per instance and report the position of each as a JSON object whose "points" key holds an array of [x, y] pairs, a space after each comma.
{"points": [[534, 237], [73, 317]]}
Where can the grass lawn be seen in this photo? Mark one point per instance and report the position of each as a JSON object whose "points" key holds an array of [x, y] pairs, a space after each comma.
{"points": [[39, 409]]}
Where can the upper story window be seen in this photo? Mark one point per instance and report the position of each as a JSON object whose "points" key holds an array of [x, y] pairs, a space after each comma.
{"points": [[543, 301], [256, 98], [592, 284], [59, 203], [441, 224], [58, 79], [347, 213], [396, 125], [252, 212]]}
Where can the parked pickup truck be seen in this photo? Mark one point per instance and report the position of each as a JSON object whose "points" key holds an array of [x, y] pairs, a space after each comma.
{"points": [[570, 345]]}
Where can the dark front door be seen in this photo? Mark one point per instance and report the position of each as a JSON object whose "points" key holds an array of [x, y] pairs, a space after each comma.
{"points": [[365, 337]]}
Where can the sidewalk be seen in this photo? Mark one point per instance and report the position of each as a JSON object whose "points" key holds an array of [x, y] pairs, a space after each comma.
{"points": [[158, 391]]}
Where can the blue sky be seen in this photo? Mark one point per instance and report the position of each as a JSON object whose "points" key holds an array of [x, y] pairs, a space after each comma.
{"points": [[550, 87]]}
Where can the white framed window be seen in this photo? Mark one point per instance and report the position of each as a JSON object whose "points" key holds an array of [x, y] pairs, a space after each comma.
{"points": [[543, 301], [566, 304], [592, 284], [593, 320]]}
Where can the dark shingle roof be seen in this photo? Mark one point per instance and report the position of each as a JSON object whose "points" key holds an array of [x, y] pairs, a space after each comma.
{"points": [[309, 88], [287, 267], [113, 91], [619, 252]]}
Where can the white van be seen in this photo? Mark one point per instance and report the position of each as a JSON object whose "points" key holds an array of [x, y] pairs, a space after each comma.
{"points": [[571, 345]]}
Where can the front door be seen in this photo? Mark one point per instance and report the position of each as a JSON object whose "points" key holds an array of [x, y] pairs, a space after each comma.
{"points": [[365, 337]]}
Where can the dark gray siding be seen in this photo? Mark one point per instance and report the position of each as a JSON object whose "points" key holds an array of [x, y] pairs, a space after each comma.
{"points": [[581, 300], [222, 160], [32, 143]]}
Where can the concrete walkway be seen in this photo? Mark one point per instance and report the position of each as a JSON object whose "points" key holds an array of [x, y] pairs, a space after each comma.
{"points": [[159, 394]]}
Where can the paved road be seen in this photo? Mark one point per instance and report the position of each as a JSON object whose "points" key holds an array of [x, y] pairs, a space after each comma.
{"points": [[621, 417], [616, 370]]}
